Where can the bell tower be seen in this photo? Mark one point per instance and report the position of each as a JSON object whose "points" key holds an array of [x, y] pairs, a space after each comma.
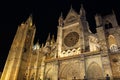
{"points": [[18, 57], [103, 45]]}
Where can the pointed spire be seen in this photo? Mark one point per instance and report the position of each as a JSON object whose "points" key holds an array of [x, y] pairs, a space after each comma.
{"points": [[61, 15], [37, 44], [38, 41], [115, 18], [42, 45], [82, 6], [61, 20], [113, 12], [98, 20], [52, 36], [29, 20], [53, 39], [34, 26], [82, 11], [48, 39], [71, 9]]}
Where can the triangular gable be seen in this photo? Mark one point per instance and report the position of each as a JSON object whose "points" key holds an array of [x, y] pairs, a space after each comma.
{"points": [[71, 17]]}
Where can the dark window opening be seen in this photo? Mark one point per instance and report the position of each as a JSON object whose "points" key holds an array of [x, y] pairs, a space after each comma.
{"points": [[108, 25]]}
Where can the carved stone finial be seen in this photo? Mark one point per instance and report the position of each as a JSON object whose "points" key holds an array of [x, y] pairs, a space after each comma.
{"points": [[29, 20], [113, 11], [71, 8], [82, 11], [48, 38], [61, 20]]}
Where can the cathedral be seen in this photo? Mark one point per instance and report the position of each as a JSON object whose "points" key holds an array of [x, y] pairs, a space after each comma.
{"points": [[77, 53]]}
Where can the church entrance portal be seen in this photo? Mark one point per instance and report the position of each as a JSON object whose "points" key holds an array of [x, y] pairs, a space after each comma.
{"points": [[94, 72]]}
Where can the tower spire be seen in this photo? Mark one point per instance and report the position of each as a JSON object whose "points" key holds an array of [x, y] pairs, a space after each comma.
{"points": [[98, 20], [29, 20], [113, 11], [21, 45], [82, 11], [48, 39], [61, 20], [38, 41], [53, 39], [61, 15], [71, 7]]}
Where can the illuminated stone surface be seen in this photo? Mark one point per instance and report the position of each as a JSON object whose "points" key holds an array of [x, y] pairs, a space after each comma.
{"points": [[87, 54]]}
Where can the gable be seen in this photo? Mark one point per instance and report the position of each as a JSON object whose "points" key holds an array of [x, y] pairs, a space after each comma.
{"points": [[71, 17]]}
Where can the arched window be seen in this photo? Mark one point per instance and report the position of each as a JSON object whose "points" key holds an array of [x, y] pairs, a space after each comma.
{"points": [[111, 40]]}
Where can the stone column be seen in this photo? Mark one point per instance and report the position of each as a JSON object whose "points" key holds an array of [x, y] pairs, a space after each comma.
{"points": [[82, 66], [106, 65], [42, 69]]}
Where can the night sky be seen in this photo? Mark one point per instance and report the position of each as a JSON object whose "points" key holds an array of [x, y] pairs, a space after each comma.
{"points": [[45, 16]]}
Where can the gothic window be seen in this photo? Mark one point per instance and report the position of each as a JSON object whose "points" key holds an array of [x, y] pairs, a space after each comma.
{"points": [[111, 39]]}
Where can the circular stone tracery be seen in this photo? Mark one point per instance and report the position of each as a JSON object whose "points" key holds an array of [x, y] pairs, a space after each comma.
{"points": [[71, 39]]}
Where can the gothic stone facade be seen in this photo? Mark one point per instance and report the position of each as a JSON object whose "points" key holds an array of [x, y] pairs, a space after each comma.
{"points": [[77, 52]]}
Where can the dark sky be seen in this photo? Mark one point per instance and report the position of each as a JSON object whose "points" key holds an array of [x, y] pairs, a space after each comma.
{"points": [[45, 16]]}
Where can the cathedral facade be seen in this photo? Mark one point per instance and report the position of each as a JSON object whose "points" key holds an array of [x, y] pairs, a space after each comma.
{"points": [[75, 54]]}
